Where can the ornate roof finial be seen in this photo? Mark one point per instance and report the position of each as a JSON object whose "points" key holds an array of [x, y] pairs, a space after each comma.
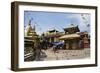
{"points": [[72, 24], [29, 22]]}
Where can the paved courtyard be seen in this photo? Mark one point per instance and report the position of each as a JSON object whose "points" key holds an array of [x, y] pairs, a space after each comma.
{"points": [[64, 54]]}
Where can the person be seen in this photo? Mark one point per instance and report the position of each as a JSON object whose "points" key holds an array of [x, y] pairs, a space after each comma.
{"points": [[38, 52], [55, 48]]}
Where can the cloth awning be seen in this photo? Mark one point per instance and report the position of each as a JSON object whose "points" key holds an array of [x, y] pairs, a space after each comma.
{"points": [[69, 36]]}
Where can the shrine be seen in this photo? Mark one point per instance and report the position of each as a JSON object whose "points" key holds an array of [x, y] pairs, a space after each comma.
{"points": [[30, 41], [71, 37]]}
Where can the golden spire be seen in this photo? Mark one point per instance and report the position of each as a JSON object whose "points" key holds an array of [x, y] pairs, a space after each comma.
{"points": [[34, 28]]}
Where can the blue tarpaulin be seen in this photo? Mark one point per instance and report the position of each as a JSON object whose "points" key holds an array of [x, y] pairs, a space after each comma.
{"points": [[58, 43]]}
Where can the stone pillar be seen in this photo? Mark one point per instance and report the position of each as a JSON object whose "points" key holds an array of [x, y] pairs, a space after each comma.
{"points": [[86, 43]]}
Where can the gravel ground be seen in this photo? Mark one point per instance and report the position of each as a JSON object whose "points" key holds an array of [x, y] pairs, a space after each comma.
{"points": [[65, 54]]}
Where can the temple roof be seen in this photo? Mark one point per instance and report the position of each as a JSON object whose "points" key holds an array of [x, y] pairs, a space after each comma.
{"points": [[71, 26], [69, 36], [75, 27], [82, 33], [58, 34], [53, 30]]}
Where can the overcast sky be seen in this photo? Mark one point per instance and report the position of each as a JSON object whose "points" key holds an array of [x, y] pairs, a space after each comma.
{"points": [[45, 21]]}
